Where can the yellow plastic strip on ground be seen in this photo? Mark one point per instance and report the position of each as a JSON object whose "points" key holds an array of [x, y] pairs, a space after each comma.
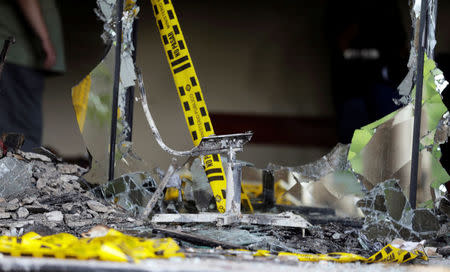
{"points": [[388, 254], [118, 247], [190, 94], [262, 253], [80, 97], [114, 246]]}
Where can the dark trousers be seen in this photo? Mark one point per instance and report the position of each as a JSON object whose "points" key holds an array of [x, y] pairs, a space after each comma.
{"points": [[21, 103]]}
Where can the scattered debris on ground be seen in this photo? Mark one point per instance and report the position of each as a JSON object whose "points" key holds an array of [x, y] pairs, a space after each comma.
{"points": [[47, 197], [54, 198]]}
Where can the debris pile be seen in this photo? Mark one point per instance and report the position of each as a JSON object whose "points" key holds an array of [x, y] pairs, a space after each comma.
{"points": [[52, 198], [319, 239], [46, 196], [109, 246]]}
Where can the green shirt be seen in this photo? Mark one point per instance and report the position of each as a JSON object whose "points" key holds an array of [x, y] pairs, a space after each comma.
{"points": [[27, 50]]}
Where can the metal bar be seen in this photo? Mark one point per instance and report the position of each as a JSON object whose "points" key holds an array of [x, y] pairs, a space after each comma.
{"points": [[418, 106], [129, 104], [208, 145], [6, 44], [159, 193], [196, 239], [233, 190], [115, 102], [268, 189], [306, 210], [286, 219]]}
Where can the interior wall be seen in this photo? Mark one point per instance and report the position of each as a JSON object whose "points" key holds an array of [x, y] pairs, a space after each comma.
{"points": [[251, 59], [256, 57]]}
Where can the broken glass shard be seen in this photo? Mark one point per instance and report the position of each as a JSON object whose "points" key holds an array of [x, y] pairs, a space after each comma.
{"points": [[335, 160], [92, 99], [387, 143], [130, 192], [197, 188], [389, 215], [325, 183]]}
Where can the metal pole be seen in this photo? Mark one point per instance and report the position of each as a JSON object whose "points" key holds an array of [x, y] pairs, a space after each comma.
{"points": [[115, 102], [418, 105], [268, 189], [159, 193], [129, 104], [233, 191]]}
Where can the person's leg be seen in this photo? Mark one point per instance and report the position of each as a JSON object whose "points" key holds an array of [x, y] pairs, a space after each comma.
{"points": [[21, 103]]}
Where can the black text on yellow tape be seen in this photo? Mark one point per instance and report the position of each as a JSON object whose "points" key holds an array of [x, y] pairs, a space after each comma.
{"points": [[190, 94], [390, 254]]}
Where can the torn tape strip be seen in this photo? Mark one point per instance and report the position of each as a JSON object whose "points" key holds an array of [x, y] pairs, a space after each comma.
{"points": [[114, 246], [388, 254], [190, 94]]}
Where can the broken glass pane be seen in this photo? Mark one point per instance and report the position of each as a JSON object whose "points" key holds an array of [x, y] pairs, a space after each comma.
{"points": [[92, 99], [387, 143], [130, 192], [326, 183], [335, 160], [430, 29], [389, 215]]}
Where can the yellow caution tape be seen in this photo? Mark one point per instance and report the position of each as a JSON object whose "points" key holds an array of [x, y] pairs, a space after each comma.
{"points": [[245, 200], [114, 246], [118, 247], [80, 97], [262, 253], [255, 190], [130, 5], [388, 254], [335, 257], [190, 94], [171, 194]]}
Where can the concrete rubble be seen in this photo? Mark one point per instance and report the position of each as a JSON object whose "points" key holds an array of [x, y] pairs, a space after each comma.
{"points": [[39, 194]]}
